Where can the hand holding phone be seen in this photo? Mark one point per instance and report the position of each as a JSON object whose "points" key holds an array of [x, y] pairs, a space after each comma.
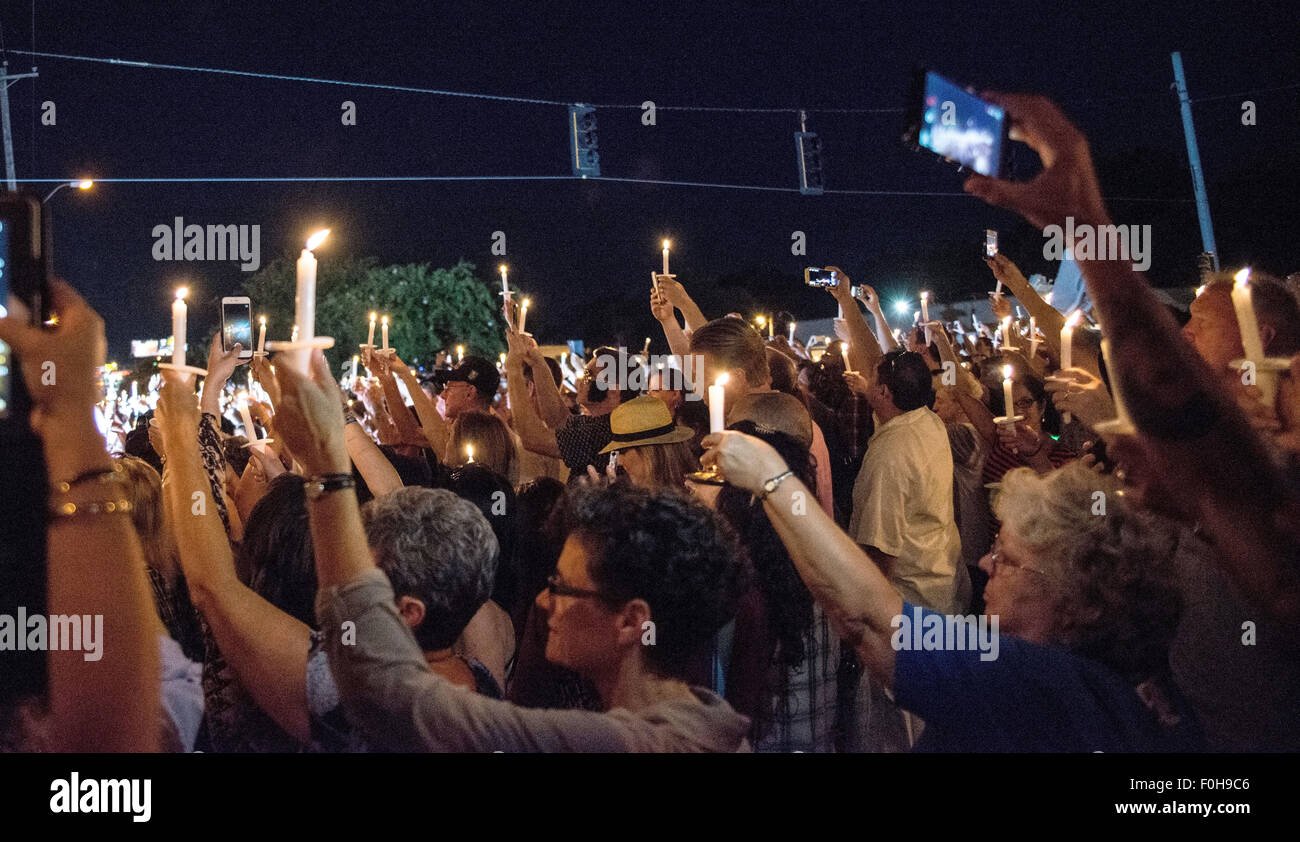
{"points": [[815, 277], [237, 325], [990, 242], [956, 125]]}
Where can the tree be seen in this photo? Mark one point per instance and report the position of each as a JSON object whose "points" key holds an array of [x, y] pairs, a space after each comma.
{"points": [[429, 309]]}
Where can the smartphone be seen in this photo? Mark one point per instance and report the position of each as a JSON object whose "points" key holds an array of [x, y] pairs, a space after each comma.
{"points": [[237, 325], [24, 286], [956, 125], [990, 242], [855, 290], [820, 277]]}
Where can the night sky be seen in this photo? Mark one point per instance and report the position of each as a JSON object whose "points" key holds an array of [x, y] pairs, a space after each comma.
{"points": [[582, 249]]}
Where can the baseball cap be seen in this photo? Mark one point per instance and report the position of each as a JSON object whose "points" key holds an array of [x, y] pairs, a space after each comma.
{"points": [[475, 371]]}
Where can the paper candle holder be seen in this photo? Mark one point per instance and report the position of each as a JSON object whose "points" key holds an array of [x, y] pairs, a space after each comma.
{"points": [[1008, 419], [1115, 427], [322, 342], [184, 369], [256, 442], [1266, 364]]}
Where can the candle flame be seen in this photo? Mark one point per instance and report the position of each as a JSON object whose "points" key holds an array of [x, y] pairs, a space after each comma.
{"points": [[317, 238], [85, 184], [666, 244], [460, 349], [527, 303], [1007, 371], [844, 349], [1243, 277], [384, 320], [373, 316], [261, 320], [502, 268], [181, 292], [762, 320], [722, 379], [925, 296], [1200, 289], [1074, 318], [469, 451]]}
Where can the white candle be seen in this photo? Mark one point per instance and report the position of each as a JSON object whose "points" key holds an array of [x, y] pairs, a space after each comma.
{"points": [[1033, 337], [370, 337], [1247, 325], [460, 353], [246, 417], [523, 314], [645, 349], [1008, 400], [384, 330], [665, 257], [1006, 333], [1067, 339], [179, 311], [1121, 411], [261, 334], [974, 320], [505, 287], [356, 366], [925, 307], [791, 333], [469, 451], [134, 390], [771, 327], [717, 403], [305, 300]]}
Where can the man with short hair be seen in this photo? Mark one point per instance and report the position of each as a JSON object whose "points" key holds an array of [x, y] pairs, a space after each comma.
{"points": [[902, 500], [469, 387], [1214, 333]]}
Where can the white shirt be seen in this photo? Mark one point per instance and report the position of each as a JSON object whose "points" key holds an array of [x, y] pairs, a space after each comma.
{"points": [[902, 506]]}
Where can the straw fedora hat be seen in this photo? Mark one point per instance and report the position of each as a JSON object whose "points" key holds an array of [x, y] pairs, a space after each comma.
{"points": [[642, 421]]}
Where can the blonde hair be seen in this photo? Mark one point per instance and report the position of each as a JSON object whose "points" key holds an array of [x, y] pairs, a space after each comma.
{"points": [[494, 448], [144, 490]]}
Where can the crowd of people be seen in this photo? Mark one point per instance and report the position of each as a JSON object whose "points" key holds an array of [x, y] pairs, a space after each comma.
{"points": [[482, 559]]}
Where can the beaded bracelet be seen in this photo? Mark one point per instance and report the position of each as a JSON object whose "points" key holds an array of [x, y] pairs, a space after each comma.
{"points": [[102, 474], [95, 507]]}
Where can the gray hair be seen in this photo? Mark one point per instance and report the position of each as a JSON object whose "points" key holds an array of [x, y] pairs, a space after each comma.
{"points": [[1117, 599], [438, 548]]}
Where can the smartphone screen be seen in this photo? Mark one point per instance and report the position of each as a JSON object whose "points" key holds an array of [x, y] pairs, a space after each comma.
{"points": [[5, 305], [237, 326], [820, 277], [961, 126], [990, 242]]}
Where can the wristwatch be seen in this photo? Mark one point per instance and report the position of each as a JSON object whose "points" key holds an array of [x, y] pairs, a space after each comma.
{"points": [[318, 487], [773, 484]]}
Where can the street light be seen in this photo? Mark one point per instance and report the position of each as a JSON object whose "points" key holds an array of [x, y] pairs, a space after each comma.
{"points": [[82, 184], [901, 307]]}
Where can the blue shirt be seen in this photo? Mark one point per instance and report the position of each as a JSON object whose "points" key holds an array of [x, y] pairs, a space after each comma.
{"points": [[1030, 698]]}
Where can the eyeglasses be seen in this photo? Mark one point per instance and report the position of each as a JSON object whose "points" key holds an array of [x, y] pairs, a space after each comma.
{"points": [[997, 559], [1024, 404], [558, 587]]}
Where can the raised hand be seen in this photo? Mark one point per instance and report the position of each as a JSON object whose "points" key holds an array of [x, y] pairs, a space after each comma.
{"points": [[660, 307], [222, 364], [261, 370], [1076, 391], [310, 419], [744, 461]]}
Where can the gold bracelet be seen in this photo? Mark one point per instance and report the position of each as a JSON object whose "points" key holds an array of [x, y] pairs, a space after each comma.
{"points": [[101, 475], [94, 507]]}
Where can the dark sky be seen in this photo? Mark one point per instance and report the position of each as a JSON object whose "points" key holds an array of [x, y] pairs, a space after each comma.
{"points": [[572, 243]]}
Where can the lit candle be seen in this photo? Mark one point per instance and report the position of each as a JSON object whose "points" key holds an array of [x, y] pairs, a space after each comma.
{"points": [[1008, 400], [523, 313], [356, 367], [469, 451], [370, 338], [760, 321], [505, 287], [718, 403], [178, 326], [645, 349], [246, 417], [1033, 337], [384, 331], [460, 353], [501, 361], [844, 352], [771, 327], [1006, 333], [1247, 325], [791, 333], [261, 334], [1067, 339], [305, 299], [925, 307], [665, 257]]}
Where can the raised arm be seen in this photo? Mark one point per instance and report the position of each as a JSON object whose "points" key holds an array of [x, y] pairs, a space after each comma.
{"points": [[678, 297], [550, 404], [664, 313], [103, 699], [869, 297], [864, 351], [856, 596], [533, 431], [408, 432], [1190, 426], [1048, 318], [434, 427], [265, 646]]}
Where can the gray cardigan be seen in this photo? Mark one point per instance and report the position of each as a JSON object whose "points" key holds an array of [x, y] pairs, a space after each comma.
{"points": [[388, 690]]}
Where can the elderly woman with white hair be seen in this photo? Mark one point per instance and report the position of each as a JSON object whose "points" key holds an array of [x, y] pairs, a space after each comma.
{"points": [[1082, 608]]}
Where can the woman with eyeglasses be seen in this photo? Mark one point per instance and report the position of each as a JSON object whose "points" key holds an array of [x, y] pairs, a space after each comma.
{"points": [[1082, 587], [1028, 442]]}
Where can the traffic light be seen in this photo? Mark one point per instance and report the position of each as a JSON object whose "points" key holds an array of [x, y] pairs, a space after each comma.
{"points": [[583, 154], [808, 149]]}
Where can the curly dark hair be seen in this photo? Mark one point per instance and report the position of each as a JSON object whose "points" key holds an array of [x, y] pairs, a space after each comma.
{"points": [[788, 604], [667, 548], [277, 549]]}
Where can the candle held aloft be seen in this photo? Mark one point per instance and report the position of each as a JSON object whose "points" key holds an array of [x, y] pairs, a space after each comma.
{"points": [[179, 311], [505, 286], [246, 417], [1067, 339], [384, 331], [718, 403], [460, 353], [370, 337], [791, 337], [469, 452], [261, 334], [1008, 398], [1033, 337], [665, 257], [771, 328], [1247, 324], [523, 313], [304, 303]]}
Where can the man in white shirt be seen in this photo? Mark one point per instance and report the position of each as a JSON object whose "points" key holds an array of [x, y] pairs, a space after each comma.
{"points": [[902, 500]]}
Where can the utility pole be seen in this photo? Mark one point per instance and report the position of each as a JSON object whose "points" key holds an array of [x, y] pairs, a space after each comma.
{"points": [[5, 81], [1194, 161]]}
